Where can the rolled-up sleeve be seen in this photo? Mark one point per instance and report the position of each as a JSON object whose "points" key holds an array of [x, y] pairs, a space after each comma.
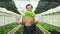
{"points": [[20, 19], [36, 18]]}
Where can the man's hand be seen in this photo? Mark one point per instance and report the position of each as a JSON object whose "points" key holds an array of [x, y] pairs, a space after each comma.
{"points": [[35, 21], [22, 23]]}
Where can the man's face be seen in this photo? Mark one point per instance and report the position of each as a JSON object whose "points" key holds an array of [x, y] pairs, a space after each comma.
{"points": [[29, 8]]}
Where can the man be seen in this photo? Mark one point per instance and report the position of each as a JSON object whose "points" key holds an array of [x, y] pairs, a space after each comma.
{"points": [[29, 28]]}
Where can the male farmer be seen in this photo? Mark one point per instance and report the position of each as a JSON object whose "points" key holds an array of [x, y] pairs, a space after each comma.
{"points": [[29, 28]]}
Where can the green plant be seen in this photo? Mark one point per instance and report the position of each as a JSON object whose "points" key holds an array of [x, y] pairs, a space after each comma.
{"points": [[28, 13], [6, 28], [47, 27]]}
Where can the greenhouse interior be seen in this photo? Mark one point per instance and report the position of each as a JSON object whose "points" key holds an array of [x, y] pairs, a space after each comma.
{"points": [[46, 10]]}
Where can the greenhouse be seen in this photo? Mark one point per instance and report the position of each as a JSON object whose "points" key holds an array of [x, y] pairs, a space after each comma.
{"points": [[47, 11]]}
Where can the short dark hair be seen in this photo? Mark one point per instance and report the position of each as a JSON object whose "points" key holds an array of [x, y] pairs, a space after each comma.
{"points": [[29, 5]]}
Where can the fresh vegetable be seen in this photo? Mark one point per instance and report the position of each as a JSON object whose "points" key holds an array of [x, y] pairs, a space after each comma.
{"points": [[6, 28], [29, 13]]}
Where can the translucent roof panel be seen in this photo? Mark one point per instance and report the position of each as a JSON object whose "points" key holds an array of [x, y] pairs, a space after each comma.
{"points": [[21, 4], [27, 0]]}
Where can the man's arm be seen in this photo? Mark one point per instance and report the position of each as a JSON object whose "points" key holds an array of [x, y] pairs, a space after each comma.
{"points": [[20, 21], [36, 19]]}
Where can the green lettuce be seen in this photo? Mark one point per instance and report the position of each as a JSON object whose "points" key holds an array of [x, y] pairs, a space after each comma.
{"points": [[28, 13]]}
